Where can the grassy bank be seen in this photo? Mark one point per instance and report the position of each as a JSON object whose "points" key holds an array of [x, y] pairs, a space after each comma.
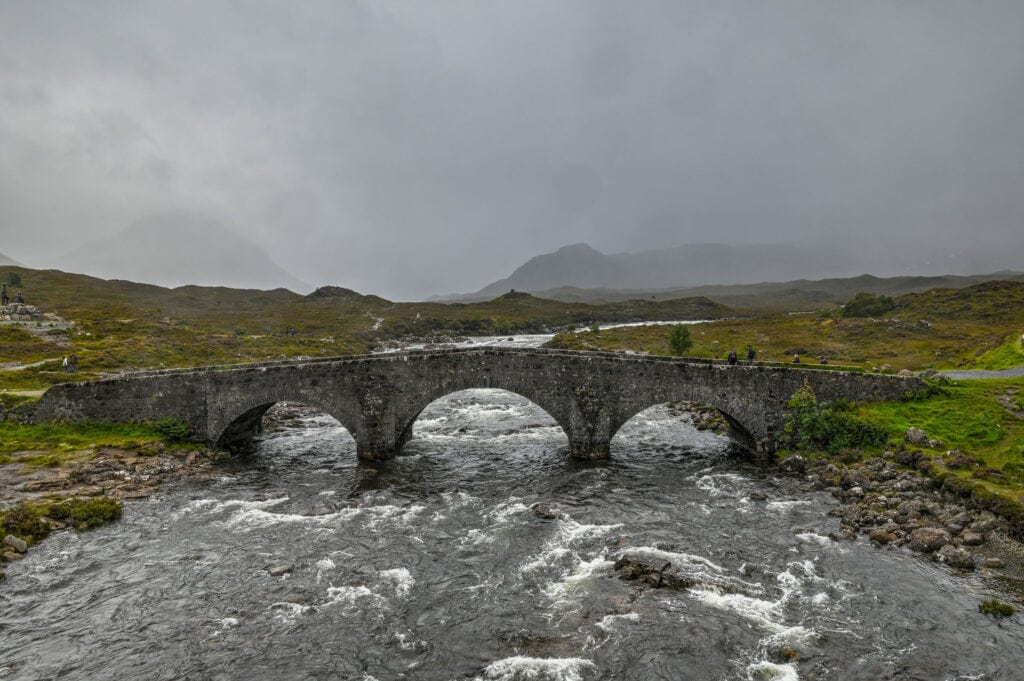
{"points": [[978, 327]]}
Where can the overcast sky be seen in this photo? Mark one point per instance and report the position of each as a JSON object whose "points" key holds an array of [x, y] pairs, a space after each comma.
{"points": [[409, 148]]}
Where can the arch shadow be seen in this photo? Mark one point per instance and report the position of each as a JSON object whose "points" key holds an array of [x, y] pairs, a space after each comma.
{"points": [[245, 420]]}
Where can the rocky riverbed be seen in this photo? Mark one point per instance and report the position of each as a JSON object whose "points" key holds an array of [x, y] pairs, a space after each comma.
{"points": [[888, 501], [109, 472]]}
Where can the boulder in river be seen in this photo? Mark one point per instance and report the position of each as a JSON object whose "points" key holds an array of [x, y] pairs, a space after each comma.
{"points": [[657, 574], [954, 556], [281, 570]]}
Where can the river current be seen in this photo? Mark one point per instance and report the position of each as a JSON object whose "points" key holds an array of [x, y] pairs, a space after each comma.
{"points": [[435, 566]]}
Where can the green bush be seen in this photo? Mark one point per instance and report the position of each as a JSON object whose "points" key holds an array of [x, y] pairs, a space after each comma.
{"points": [[26, 523], [995, 608], [679, 340], [829, 427], [84, 514], [868, 305], [173, 429]]}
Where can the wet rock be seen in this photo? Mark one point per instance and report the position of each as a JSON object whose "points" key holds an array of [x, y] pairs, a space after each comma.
{"points": [[955, 557], [656, 574], [794, 463], [915, 436], [973, 539], [11, 556], [929, 539], [16, 543], [986, 522], [883, 537], [758, 496], [281, 570], [855, 492], [994, 563], [542, 510]]}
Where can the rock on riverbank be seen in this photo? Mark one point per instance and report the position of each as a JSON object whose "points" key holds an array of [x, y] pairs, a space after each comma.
{"points": [[895, 505]]}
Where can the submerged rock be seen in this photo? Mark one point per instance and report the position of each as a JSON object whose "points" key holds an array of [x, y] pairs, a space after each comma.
{"points": [[281, 570], [542, 510], [656, 574]]}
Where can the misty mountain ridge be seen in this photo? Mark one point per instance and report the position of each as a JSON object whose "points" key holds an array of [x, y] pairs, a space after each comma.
{"points": [[4, 260], [177, 249], [582, 267]]}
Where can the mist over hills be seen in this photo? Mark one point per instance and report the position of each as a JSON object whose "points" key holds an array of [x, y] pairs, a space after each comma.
{"points": [[580, 272], [4, 260], [177, 249]]}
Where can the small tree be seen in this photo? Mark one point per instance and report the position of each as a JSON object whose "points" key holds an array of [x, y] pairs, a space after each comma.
{"points": [[679, 340]]}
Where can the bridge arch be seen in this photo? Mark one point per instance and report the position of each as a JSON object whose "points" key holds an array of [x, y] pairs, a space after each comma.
{"points": [[546, 419], [233, 420], [737, 432], [516, 385]]}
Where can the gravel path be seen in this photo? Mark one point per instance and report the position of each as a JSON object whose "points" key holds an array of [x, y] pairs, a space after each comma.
{"points": [[1012, 372]]}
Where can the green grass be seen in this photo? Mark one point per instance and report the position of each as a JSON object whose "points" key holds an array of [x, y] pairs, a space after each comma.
{"points": [[996, 608], [1008, 354], [26, 520], [59, 439], [122, 325], [965, 416]]}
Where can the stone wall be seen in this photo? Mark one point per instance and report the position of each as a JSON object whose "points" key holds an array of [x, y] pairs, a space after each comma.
{"points": [[378, 397]]}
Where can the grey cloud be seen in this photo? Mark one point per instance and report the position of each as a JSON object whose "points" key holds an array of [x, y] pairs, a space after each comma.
{"points": [[409, 148]]}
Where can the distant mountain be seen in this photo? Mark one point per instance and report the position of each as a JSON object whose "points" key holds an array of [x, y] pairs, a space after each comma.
{"points": [[4, 260], [721, 271], [581, 266], [799, 294], [176, 249]]}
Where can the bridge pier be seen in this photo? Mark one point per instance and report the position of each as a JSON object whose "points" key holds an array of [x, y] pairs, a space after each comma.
{"points": [[589, 449]]}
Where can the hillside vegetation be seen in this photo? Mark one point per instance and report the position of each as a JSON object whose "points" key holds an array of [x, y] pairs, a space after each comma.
{"points": [[121, 325], [974, 327]]}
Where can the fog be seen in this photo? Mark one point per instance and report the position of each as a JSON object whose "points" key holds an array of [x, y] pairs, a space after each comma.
{"points": [[411, 148]]}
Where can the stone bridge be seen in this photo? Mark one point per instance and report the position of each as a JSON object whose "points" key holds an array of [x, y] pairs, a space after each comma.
{"points": [[378, 397]]}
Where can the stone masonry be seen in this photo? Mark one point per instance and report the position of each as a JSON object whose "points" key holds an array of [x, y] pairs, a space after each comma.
{"points": [[378, 397]]}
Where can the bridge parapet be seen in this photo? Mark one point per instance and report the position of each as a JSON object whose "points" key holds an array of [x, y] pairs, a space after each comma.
{"points": [[378, 397]]}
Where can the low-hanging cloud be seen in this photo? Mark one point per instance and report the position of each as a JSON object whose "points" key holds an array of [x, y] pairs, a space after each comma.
{"points": [[409, 148]]}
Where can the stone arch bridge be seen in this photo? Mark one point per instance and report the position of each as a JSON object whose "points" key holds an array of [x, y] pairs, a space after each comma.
{"points": [[378, 397]]}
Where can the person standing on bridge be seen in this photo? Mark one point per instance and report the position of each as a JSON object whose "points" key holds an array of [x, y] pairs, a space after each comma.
{"points": [[733, 359], [4, 298], [751, 354]]}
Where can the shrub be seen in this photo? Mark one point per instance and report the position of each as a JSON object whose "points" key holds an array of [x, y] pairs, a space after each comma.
{"points": [[868, 305], [812, 425], [679, 340], [84, 514], [25, 522], [172, 429], [995, 608]]}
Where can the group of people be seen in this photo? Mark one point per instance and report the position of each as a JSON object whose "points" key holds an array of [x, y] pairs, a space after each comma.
{"points": [[70, 364], [751, 355], [5, 298]]}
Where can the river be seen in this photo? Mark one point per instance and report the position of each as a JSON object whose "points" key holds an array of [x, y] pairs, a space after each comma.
{"points": [[434, 566]]}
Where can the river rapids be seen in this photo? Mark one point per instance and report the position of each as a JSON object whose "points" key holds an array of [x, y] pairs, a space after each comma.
{"points": [[434, 566]]}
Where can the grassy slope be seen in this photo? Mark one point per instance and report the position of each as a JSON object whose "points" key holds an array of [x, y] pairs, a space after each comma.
{"points": [[122, 325], [967, 416], [976, 327]]}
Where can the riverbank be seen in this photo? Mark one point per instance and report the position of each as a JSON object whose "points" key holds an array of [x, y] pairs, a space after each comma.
{"points": [[33, 496], [888, 501]]}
